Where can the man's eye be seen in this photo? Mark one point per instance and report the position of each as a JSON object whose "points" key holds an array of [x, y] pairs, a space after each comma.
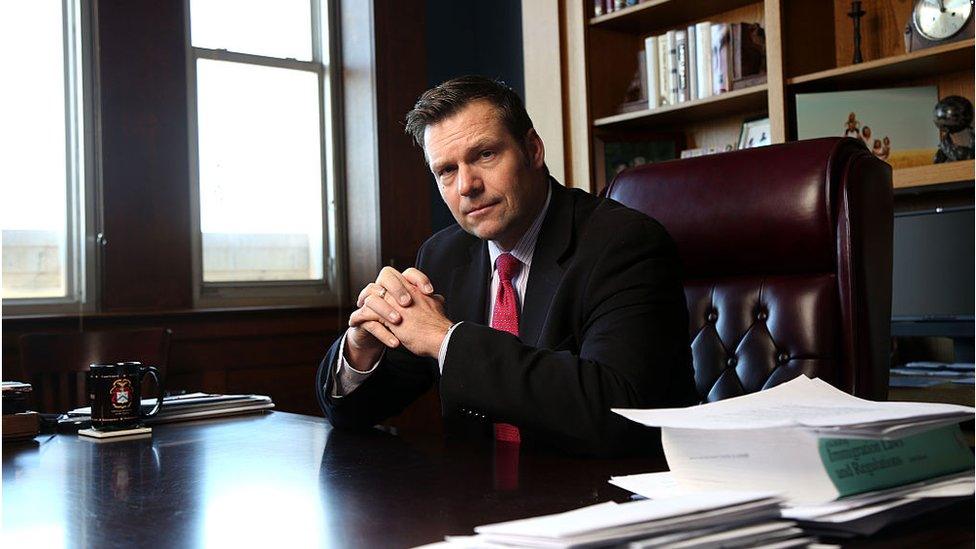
{"points": [[445, 171], [487, 154]]}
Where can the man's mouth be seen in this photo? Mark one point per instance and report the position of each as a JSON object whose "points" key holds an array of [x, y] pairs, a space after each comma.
{"points": [[480, 209]]}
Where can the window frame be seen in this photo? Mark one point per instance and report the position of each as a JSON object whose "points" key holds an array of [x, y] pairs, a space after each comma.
{"points": [[328, 290], [82, 171]]}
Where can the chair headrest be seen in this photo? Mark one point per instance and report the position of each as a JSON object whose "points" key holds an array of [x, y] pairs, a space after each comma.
{"points": [[768, 210]]}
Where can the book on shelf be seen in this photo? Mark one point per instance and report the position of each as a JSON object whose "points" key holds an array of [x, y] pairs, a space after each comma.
{"points": [[681, 64], [692, 63], [703, 59], [663, 88], [720, 58], [651, 72], [672, 67], [599, 8]]}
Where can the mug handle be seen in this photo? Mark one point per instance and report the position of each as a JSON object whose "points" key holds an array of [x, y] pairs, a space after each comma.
{"points": [[152, 371]]}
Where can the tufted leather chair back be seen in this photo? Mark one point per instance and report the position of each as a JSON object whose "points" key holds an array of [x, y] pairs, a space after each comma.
{"points": [[787, 261]]}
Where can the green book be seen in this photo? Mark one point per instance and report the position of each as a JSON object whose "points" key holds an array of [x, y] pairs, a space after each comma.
{"points": [[861, 465], [807, 467]]}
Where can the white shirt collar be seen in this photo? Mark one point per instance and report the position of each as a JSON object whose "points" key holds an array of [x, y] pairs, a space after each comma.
{"points": [[525, 247]]}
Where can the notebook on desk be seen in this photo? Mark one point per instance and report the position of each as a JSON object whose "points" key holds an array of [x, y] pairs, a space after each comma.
{"points": [[196, 406]]}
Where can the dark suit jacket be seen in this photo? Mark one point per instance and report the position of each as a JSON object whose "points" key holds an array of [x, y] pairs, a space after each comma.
{"points": [[603, 324]]}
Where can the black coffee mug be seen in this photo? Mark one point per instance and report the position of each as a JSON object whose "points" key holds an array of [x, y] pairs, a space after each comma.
{"points": [[114, 394]]}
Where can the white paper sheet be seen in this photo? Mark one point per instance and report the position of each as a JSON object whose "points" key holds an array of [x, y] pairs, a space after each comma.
{"points": [[800, 402], [610, 514], [663, 485]]}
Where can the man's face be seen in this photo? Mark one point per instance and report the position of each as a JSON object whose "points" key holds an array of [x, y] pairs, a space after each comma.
{"points": [[493, 184]]}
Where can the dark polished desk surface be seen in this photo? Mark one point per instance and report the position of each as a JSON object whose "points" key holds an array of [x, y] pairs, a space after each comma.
{"points": [[286, 480]]}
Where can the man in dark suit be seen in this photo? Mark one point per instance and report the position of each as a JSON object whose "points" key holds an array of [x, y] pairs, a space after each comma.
{"points": [[557, 305]]}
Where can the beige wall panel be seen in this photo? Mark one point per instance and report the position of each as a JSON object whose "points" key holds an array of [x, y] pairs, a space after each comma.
{"points": [[543, 78]]}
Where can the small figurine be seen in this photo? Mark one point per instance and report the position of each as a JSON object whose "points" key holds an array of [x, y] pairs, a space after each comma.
{"points": [[954, 118], [851, 127], [856, 14]]}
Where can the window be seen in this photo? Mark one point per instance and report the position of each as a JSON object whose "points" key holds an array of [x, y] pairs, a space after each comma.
{"points": [[261, 151], [45, 168]]}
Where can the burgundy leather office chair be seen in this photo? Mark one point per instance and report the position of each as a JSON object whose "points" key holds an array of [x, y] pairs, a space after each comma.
{"points": [[786, 252]]}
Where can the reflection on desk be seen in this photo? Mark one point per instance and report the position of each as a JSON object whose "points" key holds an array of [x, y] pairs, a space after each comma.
{"points": [[288, 480]]}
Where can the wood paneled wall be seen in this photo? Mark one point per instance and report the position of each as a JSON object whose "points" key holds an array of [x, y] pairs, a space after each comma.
{"points": [[401, 76], [270, 352], [141, 63]]}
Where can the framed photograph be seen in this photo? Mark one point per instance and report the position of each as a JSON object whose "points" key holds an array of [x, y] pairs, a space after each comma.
{"points": [[895, 123], [754, 133]]}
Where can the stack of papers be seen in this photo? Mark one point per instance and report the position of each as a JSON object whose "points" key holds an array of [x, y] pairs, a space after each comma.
{"points": [[863, 514], [693, 520], [195, 406], [809, 442], [844, 466], [927, 374]]}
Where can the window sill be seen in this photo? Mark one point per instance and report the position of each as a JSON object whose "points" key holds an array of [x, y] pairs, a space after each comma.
{"points": [[174, 313]]}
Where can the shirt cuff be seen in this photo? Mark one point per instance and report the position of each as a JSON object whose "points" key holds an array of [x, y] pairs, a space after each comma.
{"points": [[348, 378], [442, 353]]}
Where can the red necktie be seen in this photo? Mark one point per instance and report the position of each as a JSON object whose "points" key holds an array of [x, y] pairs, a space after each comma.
{"points": [[505, 317]]}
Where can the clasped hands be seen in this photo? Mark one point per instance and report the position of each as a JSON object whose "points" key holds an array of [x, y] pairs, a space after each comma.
{"points": [[397, 309]]}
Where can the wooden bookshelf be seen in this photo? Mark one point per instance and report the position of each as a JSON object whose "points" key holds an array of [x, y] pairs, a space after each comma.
{"points": [[935, 174], [744, 100], [930, 62], [809, 49], [663, 14]]}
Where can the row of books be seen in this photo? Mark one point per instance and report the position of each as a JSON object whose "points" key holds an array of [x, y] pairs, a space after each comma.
{"points": [[702, 60], [603, 7]]}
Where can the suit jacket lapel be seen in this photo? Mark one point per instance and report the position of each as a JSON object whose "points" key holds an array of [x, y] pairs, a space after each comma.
{"points": [[469, 286], [554, 238]]}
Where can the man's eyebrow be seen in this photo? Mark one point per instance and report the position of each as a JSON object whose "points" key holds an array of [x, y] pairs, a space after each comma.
{"points": [[484, 142]]}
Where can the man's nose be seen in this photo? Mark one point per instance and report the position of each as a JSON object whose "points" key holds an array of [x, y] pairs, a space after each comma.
{"points": [[469, 180]]}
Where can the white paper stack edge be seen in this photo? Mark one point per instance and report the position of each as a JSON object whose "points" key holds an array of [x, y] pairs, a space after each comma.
{"points": [[692, 520], [862, 515]]}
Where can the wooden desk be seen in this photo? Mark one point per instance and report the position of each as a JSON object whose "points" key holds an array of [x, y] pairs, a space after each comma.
{"points": [[287, 480]]}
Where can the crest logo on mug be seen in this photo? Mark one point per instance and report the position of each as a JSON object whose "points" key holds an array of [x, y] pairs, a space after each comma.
{"points": [[121, 393]]}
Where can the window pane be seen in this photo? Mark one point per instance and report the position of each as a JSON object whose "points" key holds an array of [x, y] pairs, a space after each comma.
{"points": [[260, 172], [33, 180], [274, 28]]}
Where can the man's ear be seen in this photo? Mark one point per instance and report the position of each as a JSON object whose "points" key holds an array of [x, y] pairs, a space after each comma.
{"points": [[535, 150]]}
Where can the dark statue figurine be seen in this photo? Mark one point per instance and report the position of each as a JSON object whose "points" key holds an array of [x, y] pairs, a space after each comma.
{"points": [[856, 14], [954, 118]]}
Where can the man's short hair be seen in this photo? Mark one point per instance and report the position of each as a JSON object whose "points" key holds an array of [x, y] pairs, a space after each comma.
{"points": [[449, 97]]}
